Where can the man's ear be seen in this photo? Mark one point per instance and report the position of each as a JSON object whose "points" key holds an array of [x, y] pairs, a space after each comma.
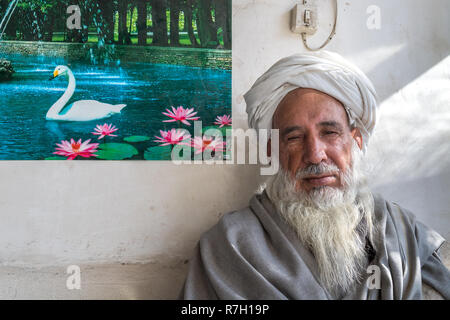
{"points": [[269, 147], [356, 134]]}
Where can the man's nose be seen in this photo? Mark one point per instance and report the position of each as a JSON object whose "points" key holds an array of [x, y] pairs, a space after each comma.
{"points": [[314, 151]]}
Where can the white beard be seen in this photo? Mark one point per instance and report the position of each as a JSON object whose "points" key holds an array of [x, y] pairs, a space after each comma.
{"points": [[332, 222]]}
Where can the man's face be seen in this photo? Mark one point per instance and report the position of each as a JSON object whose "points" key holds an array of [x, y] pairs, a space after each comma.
{"points": [[314, 130]]}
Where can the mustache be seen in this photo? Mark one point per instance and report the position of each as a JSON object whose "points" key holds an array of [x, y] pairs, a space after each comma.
{"points": [[317, 169]]}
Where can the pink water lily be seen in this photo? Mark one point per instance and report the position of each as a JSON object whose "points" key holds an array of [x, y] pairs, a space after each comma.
{"points": [[73, 149], [105, 130], [207, 143], [172, 137], [181, 114], [224, 120]]}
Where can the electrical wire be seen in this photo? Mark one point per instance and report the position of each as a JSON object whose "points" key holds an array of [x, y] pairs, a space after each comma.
{"points": [[332, 33]]}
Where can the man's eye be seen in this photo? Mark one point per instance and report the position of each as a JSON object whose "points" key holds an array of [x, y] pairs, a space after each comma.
{"points": [[330, 132], [293, 138]]}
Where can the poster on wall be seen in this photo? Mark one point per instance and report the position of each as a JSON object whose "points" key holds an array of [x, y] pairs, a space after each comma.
{"points": [[113, 80]]}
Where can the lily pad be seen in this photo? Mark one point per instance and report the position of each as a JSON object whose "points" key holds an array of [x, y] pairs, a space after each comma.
{"points": [[136, 138], [116, 151], [158, 153], [56, 158]]}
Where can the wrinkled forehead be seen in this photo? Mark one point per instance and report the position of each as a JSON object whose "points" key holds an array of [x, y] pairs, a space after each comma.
{"points": [[311, 101]]}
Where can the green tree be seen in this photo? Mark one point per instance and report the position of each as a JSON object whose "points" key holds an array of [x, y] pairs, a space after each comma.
{"points": [[36, 17], [174, 22], [105, 20], [206, 28], [159, 22], [223, 20], [142, 22], [123, 11], [188, 9]]}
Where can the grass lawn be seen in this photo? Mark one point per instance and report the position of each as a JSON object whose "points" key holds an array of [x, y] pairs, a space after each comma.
{"points": [[184, 39]]}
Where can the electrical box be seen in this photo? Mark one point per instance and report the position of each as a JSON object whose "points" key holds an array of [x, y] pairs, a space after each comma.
{"points": [[304, 18]]}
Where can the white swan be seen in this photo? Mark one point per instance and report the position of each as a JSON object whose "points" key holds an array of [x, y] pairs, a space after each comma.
{"points": [[83, 110]]}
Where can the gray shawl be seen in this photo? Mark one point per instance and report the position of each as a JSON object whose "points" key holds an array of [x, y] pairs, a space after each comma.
{"points": [[254, 254]]}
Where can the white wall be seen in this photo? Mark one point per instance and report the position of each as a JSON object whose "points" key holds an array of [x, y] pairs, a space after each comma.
{"points": [[101, 214], [106, 213], [71, 212]]}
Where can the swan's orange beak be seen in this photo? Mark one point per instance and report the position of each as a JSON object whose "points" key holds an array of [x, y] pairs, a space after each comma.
{"points": [[55, 74]]}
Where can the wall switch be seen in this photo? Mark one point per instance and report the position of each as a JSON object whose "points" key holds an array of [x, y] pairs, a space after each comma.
{"points": [[304, 18]]}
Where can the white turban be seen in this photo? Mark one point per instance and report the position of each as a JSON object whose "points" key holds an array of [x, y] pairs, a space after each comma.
{"points": [[324, 71]]}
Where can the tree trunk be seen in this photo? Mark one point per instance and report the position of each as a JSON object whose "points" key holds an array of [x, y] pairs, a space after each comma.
{"points": [[123, 10], [10, 31], [159, 20], [50, 27], [207, 32], [106, 20], [87, 8], [142, 22], [223, 20], [188, 23], [174, 23], [229, 26], [38, 24]]}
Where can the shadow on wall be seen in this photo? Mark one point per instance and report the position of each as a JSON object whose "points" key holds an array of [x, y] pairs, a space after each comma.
{"points": [[426, 197], [412, 37], [408, 152], [412, 133]]}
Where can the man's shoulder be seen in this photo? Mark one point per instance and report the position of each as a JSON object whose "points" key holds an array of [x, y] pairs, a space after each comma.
{"points": [[395, 219], [395, 211]]}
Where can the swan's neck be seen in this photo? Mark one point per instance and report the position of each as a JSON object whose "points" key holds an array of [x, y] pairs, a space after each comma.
{"points": [[54, 111]]}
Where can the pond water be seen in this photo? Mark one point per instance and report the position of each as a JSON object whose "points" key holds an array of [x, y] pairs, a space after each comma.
{"points": [[146, 89]]}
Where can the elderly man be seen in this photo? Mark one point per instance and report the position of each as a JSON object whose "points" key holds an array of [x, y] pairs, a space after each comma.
{"points": [[316, 231]]}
